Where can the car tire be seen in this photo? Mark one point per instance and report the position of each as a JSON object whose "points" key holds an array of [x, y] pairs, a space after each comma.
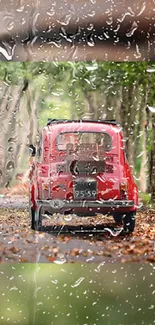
{"points": [[129, 221], [118, 217], [36, 219]]}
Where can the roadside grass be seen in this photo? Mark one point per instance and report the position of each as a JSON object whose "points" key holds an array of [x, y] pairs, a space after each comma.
{"points": [[145, 198]]}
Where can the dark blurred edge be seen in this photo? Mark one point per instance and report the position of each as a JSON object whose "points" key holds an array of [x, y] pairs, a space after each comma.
{"points": [[77, 30]]}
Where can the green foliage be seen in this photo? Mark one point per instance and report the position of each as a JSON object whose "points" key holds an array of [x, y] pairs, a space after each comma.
{"points": [[63, 87], [53, 109], [86, 76], [145, 197]]}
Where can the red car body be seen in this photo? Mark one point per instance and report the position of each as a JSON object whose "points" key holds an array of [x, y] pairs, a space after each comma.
{"points": [[80, 167]]}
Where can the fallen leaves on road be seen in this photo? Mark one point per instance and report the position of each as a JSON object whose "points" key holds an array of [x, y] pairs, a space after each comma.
{"points": [[18, 243]]}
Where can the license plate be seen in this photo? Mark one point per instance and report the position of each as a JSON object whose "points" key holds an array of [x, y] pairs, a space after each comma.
{"points": [[85, 189]]}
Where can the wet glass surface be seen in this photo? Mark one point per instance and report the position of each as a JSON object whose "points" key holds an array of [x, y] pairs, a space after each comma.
{"points": [[39, 30], [94, 294], [81, 67], [32, 93]]}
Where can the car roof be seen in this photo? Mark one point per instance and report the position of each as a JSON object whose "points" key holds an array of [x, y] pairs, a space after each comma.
{"points": [[59, 121], [83, 125]]}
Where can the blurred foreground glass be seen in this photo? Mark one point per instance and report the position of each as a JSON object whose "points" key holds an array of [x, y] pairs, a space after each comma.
{"points": [[77, 31], [94, 294]]}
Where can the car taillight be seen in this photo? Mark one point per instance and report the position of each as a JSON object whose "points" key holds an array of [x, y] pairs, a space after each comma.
{"points": [[123, 191], [45, 190]]}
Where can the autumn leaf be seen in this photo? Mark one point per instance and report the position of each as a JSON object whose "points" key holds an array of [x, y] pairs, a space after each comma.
{"points": [[51, 258], [14, 249]]}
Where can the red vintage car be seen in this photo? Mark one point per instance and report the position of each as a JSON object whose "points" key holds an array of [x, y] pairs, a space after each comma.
{"points": [[80, 167]]}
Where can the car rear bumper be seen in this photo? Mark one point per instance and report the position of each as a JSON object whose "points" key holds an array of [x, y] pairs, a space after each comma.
{"points": [[57, 205]]}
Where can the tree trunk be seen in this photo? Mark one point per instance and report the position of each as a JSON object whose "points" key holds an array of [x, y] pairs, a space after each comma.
{"points": [[153, 161], [91, 107], [8, 140], [29, 110], [118, 98], [124, 110], [134, 98], [147, 128], [139, 128], [143, 169], [140, 133], [127, 121]]}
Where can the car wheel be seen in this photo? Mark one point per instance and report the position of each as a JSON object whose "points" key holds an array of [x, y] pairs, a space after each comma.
{"points": [[129, 221], [118, 217], [36, 218]]}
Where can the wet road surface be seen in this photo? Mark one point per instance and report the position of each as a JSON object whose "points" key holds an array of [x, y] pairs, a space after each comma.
{"points": [[72, 239]]}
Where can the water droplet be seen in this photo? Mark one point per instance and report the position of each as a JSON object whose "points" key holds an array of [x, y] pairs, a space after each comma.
{"points": [[10, 149], [20, 9], [150, 70], [60, 259], [140, 154], [96, 158], [140, 205], [92, 14], [114, 233], [109, 21], [90, 27], [77, 283], [68, 217], [88, 81], [151, 109], [129, 13], [99, 266], [65, 21], [34, 23], [10, 166], [10, 26], [90, 40], [142, 8], [58, 93], [106, 35], [132, 30], [51, 12], [138, 54], [117, 28], [5, 52], [54, 281]]}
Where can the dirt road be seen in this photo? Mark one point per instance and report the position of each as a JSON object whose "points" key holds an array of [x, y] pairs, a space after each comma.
{"points": [[71, 239]]}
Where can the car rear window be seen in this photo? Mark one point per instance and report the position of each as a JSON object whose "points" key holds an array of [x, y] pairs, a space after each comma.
{"points": [[98, 139]]}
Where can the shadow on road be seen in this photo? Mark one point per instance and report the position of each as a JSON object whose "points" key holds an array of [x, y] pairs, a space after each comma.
{"points": [[97, 231]]}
